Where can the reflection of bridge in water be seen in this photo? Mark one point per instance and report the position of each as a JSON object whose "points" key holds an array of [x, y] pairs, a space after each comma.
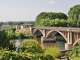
{"points": [[71, 35], [50, 39]]}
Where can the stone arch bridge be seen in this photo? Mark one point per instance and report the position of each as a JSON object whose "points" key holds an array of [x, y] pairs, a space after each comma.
{"points": [[71, 35]]}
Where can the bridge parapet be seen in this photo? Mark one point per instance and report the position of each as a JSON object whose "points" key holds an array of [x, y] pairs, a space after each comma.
{"points": [[60, 28]]}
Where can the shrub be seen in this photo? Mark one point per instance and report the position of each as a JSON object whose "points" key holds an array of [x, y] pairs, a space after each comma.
{"points": [[49, 57], [74, 54], [30, 46], [12, 55], [53, 51], [21, 36]]}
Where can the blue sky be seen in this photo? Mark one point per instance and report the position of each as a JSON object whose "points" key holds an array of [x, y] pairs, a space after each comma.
{"points": [[27, 10]]}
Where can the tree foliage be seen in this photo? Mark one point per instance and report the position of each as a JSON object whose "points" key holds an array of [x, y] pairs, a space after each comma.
{"points": [[46, 22], [31, 46], [74, 16], [50, 15], [11, 33], [4, 41], [74, 53], [60, 23], [50, 23]]}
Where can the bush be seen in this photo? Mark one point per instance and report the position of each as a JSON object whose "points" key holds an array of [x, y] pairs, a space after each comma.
{"points": [[12, 55], [21, 36], [74, 54], [53, 51], [31, 46], [49, 57]]}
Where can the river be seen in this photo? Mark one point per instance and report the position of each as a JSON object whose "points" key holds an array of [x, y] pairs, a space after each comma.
{"points": [[59, 43]]}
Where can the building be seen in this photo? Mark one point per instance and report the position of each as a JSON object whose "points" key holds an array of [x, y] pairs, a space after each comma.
{"points": [[5, 26], [26, 26]]}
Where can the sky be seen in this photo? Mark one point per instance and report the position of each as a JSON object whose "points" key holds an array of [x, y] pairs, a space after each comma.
{"points": [[27, 10]]}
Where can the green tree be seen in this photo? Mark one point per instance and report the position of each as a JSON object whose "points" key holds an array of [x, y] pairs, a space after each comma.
{"points": [[71, 23], [50, 15], [50, 23], [74, 16], [60, 23], [11, 33], [46, 22], [1, 23], [63, 23], [21, 35], [42, 15], [31, 46], [4, 41], [74, 53]]}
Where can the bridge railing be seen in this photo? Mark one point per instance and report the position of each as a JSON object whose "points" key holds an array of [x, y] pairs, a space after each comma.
{"points": [[60, 28]]}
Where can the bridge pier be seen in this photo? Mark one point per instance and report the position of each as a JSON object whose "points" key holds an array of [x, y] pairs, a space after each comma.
{"points": [[42, 39], [68, 46]]}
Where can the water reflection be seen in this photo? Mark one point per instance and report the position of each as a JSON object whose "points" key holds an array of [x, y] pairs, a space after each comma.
{"points": [[59, 44], [17, 43]]}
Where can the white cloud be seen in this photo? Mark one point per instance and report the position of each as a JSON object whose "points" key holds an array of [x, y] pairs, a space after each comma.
{"points": [[51, 2]]}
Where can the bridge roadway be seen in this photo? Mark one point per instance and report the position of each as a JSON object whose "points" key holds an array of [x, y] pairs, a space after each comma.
{"points": [[73, 29], [70, 34]]}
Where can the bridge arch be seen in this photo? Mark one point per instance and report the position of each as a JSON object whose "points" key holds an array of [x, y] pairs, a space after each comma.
{"points": [[54, 32], [76, 42], [37, 31]]}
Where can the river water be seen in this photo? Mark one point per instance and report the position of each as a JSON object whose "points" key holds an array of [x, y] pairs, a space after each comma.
{"points": [[59, 43]]}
